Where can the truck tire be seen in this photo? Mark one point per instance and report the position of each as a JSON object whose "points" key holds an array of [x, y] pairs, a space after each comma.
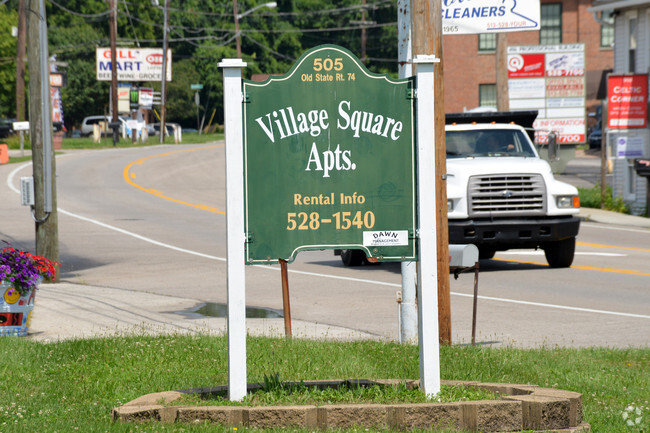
{"points": [[486, 253], [559, 254], [353, 257]]}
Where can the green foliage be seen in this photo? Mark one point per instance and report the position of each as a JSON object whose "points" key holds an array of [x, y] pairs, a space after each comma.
{"points": [[276, 392], [8, 19], [201, 34], [592, 198], [62, 385]]}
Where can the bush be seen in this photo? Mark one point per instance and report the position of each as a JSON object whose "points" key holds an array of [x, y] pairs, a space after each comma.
{"points": [[592, 197]]}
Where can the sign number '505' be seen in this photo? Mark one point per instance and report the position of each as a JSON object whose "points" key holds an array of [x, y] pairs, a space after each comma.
{"points": [[328, 64]]}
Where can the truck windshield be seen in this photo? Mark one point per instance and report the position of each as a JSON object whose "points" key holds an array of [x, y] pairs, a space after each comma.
{"points": [[488, 142]]}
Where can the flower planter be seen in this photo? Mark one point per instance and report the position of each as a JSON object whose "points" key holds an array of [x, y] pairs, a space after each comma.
{"points": [[15, 310]]}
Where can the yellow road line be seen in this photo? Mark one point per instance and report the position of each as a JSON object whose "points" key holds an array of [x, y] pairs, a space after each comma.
{"points": [[585, 268], [587, 244], [129, 176]]}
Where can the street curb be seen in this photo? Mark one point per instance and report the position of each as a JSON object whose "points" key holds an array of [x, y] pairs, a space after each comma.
{"points": [[523, 407]]}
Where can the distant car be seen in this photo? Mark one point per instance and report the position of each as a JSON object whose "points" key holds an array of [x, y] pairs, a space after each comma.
{"points": [[6, 127], [89, 122], [595, 139]]}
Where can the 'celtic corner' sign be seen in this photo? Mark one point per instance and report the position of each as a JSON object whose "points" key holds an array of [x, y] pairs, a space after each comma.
{"points": [[329, 161]]}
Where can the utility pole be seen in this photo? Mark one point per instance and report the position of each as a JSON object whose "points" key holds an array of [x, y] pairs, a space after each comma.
{"points": [[235, 11], [501, 56], [364, 36], [113, 35], [20, 62], [163, 85], [427, 40], [40, 115]]}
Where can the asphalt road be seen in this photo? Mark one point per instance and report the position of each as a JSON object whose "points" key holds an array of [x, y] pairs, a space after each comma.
{"points": [[152, 220]]}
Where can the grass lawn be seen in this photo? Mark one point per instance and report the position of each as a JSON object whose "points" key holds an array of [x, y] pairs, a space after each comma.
{"points": [[73, 385], [13, 142]]}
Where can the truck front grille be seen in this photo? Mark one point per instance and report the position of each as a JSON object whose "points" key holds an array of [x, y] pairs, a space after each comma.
{"points": [[506, 195]]}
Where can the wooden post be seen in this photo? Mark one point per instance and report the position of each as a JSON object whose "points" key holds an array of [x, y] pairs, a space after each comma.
{"points": [[475, 305], [163, 84], [286, 304], [20, 63], [45, 205], [427, 40], [503, 102], [113, 37]]}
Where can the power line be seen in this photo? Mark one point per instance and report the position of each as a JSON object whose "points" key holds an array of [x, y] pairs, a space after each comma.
{"points": [[101, 14], [126, 7], [277, 54], [376, 5]]}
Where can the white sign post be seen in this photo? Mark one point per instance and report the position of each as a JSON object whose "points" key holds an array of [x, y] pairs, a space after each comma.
{"points": [[235, 238], [427, 245]]}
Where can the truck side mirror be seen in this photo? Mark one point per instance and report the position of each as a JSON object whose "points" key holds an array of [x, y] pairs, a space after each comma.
{"points": [[552, 146]]}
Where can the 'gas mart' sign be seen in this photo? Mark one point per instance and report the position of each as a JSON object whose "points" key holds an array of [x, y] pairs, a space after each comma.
{"points": [[133, 64], [329, 161]]}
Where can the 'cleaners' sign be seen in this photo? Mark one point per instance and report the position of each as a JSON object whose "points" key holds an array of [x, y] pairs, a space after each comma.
{"points": [[329, 160], [133, 64], [489, 16]]}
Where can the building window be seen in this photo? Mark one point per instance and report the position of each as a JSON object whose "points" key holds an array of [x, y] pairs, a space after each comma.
{"points": [[487, 95], [487, 42], [550, 32], [632, 25], [607, 29]]}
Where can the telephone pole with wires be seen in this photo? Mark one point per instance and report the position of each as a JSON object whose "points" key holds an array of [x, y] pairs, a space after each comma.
{"points": [[113, 35], [44, 211], [20, 62]]}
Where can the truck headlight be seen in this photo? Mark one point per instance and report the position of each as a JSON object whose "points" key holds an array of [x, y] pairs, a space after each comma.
{"points": [[568, 201], [450, 205]]}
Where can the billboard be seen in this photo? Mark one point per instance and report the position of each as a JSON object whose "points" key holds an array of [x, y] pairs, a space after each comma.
{"points": [[550, 79], [133, 64], [461, 17], [627, 97]]}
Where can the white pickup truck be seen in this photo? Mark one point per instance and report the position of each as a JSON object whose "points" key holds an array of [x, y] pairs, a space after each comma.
{"points": [[500, 194]]}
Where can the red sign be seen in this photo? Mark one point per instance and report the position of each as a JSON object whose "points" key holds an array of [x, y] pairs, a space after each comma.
{"points": [[627, 97], [526, 65]]}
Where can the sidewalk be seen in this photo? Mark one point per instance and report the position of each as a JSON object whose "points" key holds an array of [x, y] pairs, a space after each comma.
{"points": [[614, 218], [66, 311]]}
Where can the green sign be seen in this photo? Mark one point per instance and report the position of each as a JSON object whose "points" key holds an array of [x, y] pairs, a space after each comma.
{"points": [[134, 97], [329, 161]]}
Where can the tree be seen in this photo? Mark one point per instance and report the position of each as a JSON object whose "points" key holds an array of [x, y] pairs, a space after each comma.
{"points": [[201, 34], [8, 19]]}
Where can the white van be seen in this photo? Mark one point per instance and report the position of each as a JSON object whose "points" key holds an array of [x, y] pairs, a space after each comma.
{"points": [[89, 122]]}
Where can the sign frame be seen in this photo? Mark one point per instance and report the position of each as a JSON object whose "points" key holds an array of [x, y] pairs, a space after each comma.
{"points": [[627, 101], [325, 212], [557, 88]]}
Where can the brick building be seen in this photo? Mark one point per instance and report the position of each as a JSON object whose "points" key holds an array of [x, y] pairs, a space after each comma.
{"points": [[631, 56], [469, 61]]}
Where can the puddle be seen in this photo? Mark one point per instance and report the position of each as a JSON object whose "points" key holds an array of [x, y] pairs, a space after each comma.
{"points": [[214, 309]]}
